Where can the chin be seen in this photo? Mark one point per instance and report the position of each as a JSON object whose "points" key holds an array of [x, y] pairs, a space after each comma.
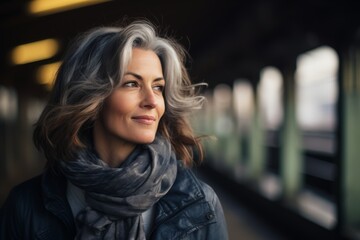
{"points": [[146, 140]]}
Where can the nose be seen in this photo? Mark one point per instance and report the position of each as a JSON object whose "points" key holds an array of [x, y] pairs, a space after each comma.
{"points": [[148, 98]]}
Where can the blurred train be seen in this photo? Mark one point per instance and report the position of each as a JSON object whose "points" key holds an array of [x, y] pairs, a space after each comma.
{"points": [[282, 107]]}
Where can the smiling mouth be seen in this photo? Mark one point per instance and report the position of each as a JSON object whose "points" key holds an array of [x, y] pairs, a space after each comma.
{"points": [[147, 120]]}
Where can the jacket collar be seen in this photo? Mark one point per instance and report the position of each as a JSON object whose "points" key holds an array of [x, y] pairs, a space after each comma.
{"points": [[54, 196]]}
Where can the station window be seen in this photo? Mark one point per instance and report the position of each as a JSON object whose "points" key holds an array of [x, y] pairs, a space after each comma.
{"points": [[270, 98], [316, 97], [243, 96]]}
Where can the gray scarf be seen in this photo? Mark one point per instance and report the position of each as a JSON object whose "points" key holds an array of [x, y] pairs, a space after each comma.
{"points": [[116, 197]]}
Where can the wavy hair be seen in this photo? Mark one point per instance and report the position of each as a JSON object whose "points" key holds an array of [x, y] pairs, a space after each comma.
{"points": [[93, 66]]}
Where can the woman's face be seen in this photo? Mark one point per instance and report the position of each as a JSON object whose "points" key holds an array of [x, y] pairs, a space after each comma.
{"points": [[133, 111]]}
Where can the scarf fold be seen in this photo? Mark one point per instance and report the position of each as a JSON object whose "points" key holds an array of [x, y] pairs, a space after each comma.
{"points": [[116, 197]]}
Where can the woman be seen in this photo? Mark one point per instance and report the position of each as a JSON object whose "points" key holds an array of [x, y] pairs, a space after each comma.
{"points": [[118, 147]]}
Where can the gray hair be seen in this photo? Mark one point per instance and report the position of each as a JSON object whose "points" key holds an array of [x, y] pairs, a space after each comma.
{"points": [[104, 53]]}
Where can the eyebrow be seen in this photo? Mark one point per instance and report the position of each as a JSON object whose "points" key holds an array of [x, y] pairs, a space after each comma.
{"points": [[141, 78]]}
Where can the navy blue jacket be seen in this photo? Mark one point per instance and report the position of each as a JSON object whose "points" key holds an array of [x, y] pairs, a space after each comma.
{"points": [[38, 209]]}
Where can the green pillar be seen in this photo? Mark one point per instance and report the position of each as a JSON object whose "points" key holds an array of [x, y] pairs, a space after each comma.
{"points": [[351, 142], [256, 151], [291, 161]]}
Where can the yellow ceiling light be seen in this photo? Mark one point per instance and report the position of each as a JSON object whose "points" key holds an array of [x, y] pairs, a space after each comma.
{"points": [[43, 7], [35, 51], [45, 74]]}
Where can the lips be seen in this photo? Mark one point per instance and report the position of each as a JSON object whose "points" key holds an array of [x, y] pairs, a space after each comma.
{"points": [[144, 119]]}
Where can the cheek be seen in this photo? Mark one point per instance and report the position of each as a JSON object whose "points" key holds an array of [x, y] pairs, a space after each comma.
{"points": [[162, 108], [119, 105], [112, 112]]}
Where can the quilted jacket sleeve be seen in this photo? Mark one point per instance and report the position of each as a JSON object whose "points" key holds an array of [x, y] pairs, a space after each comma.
{"points": [[10, 222]]}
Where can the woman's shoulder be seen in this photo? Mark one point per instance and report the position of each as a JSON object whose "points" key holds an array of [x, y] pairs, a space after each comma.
{"points": [[27, 186], [209, 192], [25, 192], [196, 185], [19, 204]]}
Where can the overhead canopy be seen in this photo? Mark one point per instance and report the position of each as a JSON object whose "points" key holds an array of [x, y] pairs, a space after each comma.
{"points": [[226, 40]]}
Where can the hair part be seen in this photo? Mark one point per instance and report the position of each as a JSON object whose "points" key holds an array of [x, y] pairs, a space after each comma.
{"points": [[90, 71]]}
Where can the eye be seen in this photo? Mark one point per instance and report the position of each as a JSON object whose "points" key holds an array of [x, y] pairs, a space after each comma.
{"points": [[159, 88], [131, 84]]}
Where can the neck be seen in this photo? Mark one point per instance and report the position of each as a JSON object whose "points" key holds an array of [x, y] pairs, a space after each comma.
{"points": [[110, 148]]}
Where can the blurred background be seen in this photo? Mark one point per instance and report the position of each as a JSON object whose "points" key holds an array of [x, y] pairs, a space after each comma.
{"points": [[283, 101]]}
